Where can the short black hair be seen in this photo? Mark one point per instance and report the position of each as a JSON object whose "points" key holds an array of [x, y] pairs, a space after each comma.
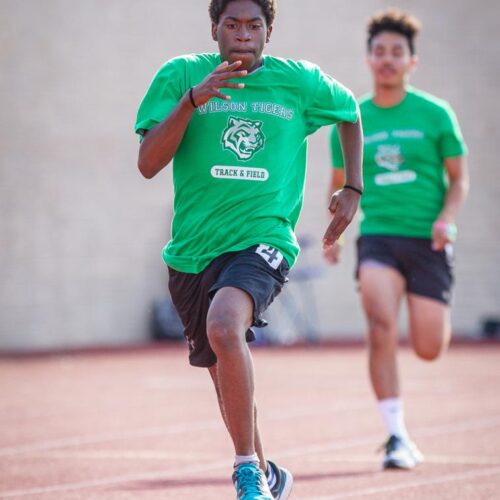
{"points": [[396, 21], [217, 7]]}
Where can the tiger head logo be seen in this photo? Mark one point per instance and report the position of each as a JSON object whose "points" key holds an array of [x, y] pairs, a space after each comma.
{"points": [[389, 157], [243, 137]]}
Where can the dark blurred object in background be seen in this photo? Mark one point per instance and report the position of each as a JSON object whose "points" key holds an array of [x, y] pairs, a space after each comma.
{"points": [[491, 328], [165, 322]]}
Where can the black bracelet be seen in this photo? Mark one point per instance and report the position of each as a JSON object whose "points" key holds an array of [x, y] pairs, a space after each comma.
{"points": [[191, 97], [352, 188]]}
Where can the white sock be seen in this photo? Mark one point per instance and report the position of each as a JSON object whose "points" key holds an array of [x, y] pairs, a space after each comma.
{"points": [[392, 412], [246, 459]]}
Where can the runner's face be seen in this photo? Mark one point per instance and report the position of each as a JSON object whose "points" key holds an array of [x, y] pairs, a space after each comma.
{"points": [[242, 33], [390, 60]]}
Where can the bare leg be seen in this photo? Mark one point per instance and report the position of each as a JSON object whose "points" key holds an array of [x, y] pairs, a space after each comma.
{"points": [[229, 317], [258, 443], [257, 440], [430, 328], [213, 373], [381, 291]]}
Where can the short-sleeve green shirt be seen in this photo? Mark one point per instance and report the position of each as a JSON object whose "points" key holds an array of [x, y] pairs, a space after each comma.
{"points": [[239, 171], [404, 177]]}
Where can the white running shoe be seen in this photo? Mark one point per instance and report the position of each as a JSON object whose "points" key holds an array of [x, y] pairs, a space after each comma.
{"points": [[401, 454]]}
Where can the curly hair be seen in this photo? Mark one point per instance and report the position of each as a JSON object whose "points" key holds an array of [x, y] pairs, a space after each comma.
{"points": [[217, 7], [396, 21]]}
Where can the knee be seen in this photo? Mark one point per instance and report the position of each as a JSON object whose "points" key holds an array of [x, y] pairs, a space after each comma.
{"points": [[382, 333], [223, 334], [428, 351], [430, 347]]}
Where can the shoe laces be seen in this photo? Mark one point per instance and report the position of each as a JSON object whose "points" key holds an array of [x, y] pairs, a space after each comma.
{"points": [[248, 480]]}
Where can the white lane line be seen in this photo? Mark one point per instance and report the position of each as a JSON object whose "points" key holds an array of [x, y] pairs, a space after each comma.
{"points": [[432, 431], [411, 484], [429, 459], [461, 460], [464, 426], [145, 455], [188, 428], [213, 424], [136, 455], [51, 444], [123, 479], [442, 430]]}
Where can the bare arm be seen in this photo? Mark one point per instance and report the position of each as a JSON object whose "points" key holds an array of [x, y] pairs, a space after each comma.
{"points": [[161, 142], [333, 253], [458, 175], [344, 202], [351, 140], [336, 183]]}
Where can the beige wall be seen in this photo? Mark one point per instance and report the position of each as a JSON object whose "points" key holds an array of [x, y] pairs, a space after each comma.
{"points": [[81, 232]]}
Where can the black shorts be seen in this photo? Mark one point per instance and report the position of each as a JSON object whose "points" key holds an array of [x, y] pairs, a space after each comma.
{"points": [[427, 272], [261, 271]]}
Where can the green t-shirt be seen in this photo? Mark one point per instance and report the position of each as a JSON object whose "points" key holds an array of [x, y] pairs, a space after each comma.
{"points": [[239, 171], [405, 181]]}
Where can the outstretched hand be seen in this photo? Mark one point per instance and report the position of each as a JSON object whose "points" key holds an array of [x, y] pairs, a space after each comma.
{"points": [[332, 253], [218, 79], [343, 206]]}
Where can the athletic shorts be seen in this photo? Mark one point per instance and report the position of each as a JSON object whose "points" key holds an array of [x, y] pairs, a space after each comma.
{"points": [[427, 273], [260, 270]]}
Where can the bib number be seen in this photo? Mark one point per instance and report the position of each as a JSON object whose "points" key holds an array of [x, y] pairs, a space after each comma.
{"points": [[272, 256]]}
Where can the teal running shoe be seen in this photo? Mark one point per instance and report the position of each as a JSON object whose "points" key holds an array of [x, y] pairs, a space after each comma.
{"points": [[250, 483]]}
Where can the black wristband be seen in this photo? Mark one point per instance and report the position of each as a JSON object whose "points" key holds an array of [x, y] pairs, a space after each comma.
{"points": [[191, 97], [352, 188]]}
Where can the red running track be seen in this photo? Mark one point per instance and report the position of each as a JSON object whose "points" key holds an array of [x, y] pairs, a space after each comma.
{"points": [[143, 424]]}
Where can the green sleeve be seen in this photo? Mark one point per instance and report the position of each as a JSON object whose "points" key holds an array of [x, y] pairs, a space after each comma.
{"points": [[451, 141], [331, 103], [165, 91], [336, 149]]}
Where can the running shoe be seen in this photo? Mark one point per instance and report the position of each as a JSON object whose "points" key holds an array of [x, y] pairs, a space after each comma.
{"points": [[401, 454], [250, 483], [283, 484]]}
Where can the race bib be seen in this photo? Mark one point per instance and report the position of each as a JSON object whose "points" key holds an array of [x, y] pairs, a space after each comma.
{"points": [[272, 256]]}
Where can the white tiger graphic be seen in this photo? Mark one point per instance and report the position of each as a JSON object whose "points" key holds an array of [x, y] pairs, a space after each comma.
{"points": [[389, 157], [243, 137]]}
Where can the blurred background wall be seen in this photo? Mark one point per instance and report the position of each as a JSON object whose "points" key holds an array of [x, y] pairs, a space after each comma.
{"points": [[81, 231]]}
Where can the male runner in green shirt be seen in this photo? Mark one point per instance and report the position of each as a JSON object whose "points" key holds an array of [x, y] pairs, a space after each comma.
{"points": [[236, 125], [415, 180]]}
